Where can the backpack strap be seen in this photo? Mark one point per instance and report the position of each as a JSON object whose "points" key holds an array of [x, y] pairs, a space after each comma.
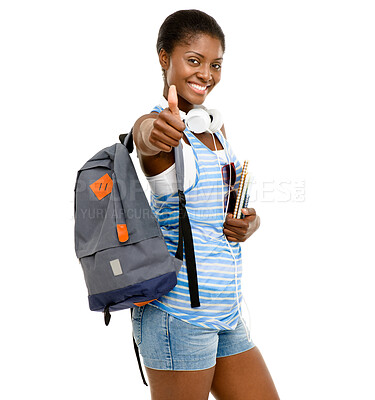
{"points": [[137, 353], [127, 140], [185, 237]]}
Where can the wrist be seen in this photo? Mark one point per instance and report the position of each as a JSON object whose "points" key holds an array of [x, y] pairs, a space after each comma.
{"points": [[145, 146]]}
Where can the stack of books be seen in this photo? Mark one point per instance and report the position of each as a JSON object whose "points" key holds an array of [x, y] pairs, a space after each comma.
{"points": [[243, 193]]}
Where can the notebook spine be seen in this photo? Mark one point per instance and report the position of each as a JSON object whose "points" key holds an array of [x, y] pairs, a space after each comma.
{"points": [[243, 196], [240, 188]]}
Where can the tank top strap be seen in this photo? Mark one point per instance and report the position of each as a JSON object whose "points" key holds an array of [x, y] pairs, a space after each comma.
{"points": [[194, 139], [157, 109]]}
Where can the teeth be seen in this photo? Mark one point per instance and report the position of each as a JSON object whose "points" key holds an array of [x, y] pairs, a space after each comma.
{"points": [[202, 88]]}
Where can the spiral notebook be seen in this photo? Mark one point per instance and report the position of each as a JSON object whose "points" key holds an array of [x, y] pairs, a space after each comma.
{"points": [[243, 193]]}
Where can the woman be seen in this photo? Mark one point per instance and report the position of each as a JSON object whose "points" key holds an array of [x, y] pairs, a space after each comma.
{"points": [[190, 352]]}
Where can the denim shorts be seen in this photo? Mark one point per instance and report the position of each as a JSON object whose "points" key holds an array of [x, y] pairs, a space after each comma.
{"points": [[168, 343]]}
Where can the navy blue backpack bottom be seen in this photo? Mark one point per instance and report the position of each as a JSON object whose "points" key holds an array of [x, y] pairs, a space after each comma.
{"points": [[130, 296]]}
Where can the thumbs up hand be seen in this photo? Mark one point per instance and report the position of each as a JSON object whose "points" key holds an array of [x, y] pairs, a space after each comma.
{"points": [[168, 126], [173, 101]]}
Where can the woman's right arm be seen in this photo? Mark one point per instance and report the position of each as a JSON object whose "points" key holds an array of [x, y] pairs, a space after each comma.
{"points": [[156, 134]]}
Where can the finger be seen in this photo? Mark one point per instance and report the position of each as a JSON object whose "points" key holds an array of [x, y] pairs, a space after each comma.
{"points": [[249, 214], [235, 223], [158, 136], [234, 234], [168, 136], [249, 218], [173, 101], [161, 146], [248, 211], [170, 124], [231, 236], [232, 239]]}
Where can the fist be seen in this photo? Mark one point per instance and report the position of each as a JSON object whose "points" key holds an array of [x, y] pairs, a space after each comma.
{"points": [[239, 230], [168, 126]]}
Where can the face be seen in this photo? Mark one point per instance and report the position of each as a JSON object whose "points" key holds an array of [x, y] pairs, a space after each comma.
{"points": [[194, 68]]}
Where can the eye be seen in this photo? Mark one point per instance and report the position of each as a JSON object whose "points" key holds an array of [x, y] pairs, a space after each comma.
{"points": [[193, 61], [216, 66]]}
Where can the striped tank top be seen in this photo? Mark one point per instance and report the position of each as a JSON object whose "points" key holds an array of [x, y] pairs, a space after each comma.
{"points": [[218, 261]]}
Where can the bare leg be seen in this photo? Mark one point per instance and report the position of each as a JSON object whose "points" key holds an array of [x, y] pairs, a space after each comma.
{"points": [[180, 385], [243, 376]]}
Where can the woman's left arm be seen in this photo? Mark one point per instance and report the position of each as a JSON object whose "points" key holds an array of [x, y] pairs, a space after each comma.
{"points": [[239, 230]]}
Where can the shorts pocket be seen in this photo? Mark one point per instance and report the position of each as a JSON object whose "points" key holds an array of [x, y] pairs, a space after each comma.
{"points": [[137, 324]]}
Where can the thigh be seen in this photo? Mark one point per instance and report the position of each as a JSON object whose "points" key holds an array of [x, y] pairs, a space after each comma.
{"points": [[243, 376], [168, 343], [179, 357], [180, 385]]}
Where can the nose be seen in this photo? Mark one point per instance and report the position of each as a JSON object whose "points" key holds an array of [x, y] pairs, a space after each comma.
{"points": [[204, 72]]}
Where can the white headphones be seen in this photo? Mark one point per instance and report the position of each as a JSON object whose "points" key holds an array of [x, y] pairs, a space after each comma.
{"points": [[199, 120]]}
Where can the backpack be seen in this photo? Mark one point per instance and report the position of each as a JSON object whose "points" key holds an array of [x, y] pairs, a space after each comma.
{"points": [[118, 240]]}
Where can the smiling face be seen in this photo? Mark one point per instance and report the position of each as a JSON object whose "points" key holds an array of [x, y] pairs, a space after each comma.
{"points": [[194, 68]]}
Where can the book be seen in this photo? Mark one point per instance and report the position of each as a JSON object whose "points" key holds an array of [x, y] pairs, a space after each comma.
{"points": [[244, 195], [240, 187], [242, 190]]}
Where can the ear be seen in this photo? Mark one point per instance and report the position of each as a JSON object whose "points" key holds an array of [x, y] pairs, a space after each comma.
{"points": [[164, 59]]}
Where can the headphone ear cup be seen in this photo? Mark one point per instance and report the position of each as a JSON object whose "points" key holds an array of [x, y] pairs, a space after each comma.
{"points": [[197, 120], [216, 120]]}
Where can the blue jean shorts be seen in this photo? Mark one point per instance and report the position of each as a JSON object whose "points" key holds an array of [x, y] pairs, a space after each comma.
{"points": [[168, 343]]}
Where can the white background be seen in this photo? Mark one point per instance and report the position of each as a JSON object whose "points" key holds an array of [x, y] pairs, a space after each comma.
{"points": [[297, 94]]}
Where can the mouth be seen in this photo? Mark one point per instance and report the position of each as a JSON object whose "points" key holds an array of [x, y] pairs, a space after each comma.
{"points": [[198, 88]]}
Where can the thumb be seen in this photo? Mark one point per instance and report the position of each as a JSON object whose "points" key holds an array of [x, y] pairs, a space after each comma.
{"points": [[173, 101], [248, 211], [249, 214]]}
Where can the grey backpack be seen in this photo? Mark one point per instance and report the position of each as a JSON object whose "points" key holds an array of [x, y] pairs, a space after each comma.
{"points": [[118, 240]]}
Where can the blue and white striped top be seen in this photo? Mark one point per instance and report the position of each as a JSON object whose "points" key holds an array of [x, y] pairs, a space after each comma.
{"points": [[218, 261]]}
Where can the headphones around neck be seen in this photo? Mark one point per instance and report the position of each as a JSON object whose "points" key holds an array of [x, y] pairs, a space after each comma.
{"points": [[199, 120]]}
